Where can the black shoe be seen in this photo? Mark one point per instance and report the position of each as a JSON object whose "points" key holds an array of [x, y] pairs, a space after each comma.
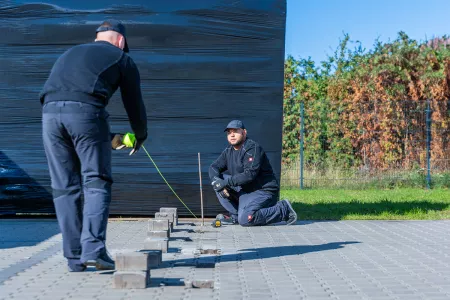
{"points": [[226, 220], [292, 217], [75, 266], [103, 262]]}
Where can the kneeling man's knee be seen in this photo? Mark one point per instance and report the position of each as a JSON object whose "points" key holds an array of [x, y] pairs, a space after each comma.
{"points": [[246, 218]]}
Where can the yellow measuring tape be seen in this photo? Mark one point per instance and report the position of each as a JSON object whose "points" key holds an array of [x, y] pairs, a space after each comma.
{"points": [[128, 140]]}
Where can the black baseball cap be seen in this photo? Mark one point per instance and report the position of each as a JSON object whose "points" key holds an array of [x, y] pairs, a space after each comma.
{"points": [[116, 26], [235, 124]]}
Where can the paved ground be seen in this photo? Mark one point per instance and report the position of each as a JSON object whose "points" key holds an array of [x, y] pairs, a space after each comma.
{"points": [[312, 260]]}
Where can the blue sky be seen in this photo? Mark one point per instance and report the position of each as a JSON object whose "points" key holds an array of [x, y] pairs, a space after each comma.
{"points": [[314, 27]]}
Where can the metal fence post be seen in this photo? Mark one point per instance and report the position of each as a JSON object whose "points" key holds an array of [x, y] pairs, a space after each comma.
{"points": [[428, 125], [302, 135]]}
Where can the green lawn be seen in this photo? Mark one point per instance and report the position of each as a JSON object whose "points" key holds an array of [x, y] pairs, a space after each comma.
{"points": [[396, 204]]}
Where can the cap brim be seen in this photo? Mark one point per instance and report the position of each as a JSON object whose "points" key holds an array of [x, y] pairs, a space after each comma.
{"points": [[232, 128]]}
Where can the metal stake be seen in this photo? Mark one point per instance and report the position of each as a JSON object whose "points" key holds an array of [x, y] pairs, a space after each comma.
{"points": [[201, 188]]}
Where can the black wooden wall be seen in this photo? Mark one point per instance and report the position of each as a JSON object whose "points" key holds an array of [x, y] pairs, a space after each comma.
{"points": [[202, 63]]}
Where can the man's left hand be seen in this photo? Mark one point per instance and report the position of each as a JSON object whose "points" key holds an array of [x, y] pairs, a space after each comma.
{"points": [[219, 184]]}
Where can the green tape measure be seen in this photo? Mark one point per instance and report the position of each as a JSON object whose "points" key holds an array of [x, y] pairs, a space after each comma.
{"points": [[129, 139]]}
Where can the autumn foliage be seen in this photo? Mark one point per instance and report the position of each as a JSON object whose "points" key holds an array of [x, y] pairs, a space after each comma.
{"points": [[367, 109]]}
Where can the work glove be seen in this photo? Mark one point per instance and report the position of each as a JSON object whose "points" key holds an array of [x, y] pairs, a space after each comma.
{"points": [[224, 194], [117, 141], [229, 193], [137, 144], [219, 184]]}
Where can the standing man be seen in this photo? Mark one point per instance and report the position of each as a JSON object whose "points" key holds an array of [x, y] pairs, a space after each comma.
{"points": [[77, 138], [250, 194]]}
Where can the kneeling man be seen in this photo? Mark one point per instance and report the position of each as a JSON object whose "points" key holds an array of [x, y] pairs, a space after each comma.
{"points": [[250, 192]]}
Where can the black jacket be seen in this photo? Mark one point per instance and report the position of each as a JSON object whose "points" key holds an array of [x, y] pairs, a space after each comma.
{"points": [[249, 168], [92, 73]]}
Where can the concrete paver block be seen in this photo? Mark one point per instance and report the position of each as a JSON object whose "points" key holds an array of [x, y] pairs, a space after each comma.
{"points": [[155, 257], [172, 210], [156, 244], [132, 261], [158, 234], [165, 216], [157, 225], [131, 279], [207, 251], [200, 283]]}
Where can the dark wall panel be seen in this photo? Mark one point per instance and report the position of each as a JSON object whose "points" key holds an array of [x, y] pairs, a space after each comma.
{"points": [[202, 63]]}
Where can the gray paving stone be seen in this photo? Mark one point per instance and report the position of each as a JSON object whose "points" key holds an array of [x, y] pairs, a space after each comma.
{"points": [[348, 297], [49, 297], [131, 280], [318, 296], [155, 257], [158, 234], [132, 261], [400, 291], [57, 294], [202, 293], [157, 225], [230, 294], [172, 210], [200, 283], [25, 295], [156, 244], [433, 293], [165, 216]]}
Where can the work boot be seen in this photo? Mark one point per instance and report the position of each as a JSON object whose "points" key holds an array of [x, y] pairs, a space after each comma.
{"points": [[75, 265], [226, 220], [103, 262], [292, 216]]}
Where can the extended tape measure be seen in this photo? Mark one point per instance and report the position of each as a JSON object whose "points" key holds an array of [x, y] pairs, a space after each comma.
{"points": [[128, 140]]}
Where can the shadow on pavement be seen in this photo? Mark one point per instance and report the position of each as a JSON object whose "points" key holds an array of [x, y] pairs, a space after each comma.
{"points": [[258, 253]]}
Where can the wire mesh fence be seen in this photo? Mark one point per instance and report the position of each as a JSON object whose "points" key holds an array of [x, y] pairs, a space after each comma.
{"points": [[378, 144]]}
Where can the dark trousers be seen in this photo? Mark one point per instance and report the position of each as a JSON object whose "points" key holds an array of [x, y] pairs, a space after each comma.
{"points": [[77, 144], [256, 208]]}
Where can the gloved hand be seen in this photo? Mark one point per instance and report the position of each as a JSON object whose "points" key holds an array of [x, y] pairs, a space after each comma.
{"points": [[219, 184], [137, 144], [224, 194], [229, 193], [117, 141]]}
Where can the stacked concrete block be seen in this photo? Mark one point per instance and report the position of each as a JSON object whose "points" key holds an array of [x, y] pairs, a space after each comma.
{"points": [[155, 257], [157, 244], [158, 229], [166, 216], [155, 226], [171, 210], [132, 270], [158, 235], [158, 225]]}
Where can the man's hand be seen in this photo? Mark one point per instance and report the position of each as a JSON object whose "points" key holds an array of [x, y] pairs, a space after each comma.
{"points": [[224, 193], [137, 145], [117, 141], [219, 184]]}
